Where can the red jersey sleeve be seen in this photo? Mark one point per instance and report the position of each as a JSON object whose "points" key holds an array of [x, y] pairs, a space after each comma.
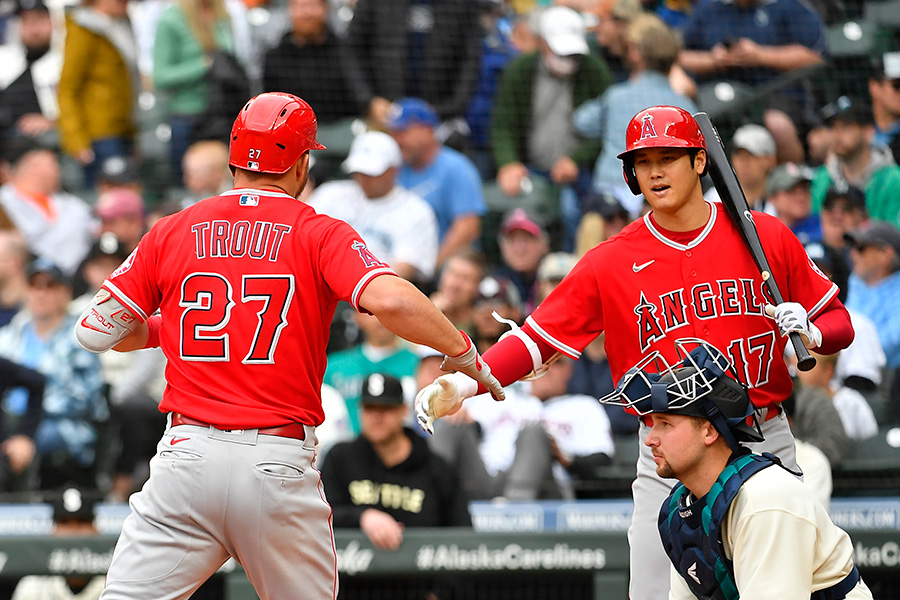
{"points": [[133, 282], [346, 263]]}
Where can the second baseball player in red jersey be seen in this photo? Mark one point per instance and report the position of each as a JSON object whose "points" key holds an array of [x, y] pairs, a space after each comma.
{"points": [[246, 284], [680, 271]]}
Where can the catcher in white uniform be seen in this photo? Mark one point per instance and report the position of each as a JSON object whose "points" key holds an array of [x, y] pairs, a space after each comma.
{"points": [[739, 524]]}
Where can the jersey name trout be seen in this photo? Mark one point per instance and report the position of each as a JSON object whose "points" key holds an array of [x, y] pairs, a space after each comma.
{"points": [[707, 300], [223, 239]]}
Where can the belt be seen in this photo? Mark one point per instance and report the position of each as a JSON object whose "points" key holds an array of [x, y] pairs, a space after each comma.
{"points": [[292, 430]]}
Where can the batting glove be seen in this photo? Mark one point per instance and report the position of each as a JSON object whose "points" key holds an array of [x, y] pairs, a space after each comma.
{"points": [[791, 316], [441, 398], [471, 363]]}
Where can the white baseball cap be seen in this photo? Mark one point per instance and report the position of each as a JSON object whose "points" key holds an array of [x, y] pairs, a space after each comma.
{"points": [[755, 139], [372, 153], [564, 30]]}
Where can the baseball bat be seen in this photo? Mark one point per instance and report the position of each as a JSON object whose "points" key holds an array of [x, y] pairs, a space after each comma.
{"points": [[723, 177]]}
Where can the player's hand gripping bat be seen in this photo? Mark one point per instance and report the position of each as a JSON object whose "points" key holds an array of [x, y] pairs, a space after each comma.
{"points": [[722, 174]]}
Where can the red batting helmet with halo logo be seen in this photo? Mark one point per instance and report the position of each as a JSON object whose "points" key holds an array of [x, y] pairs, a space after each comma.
{"points": [[659, 127]]}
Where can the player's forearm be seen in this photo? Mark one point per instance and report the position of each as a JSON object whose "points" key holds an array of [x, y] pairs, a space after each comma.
{"points": [[407, 312], [510, 359], [837, 330]]}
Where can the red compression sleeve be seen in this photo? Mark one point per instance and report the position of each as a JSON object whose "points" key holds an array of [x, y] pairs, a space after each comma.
{"points": [[834, 323], [154, 324], [510, 360]]}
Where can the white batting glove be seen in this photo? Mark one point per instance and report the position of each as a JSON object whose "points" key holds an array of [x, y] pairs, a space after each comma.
{"points": [[441, 398], [471, 363], [791, 316]]}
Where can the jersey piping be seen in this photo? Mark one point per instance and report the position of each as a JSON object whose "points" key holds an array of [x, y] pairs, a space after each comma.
{"points": [[695, 242], [244, 191], [354, 299], [567, 350]]}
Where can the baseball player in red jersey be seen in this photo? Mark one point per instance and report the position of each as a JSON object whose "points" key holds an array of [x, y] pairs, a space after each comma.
{"points": [[680, 271], [246, 284]]}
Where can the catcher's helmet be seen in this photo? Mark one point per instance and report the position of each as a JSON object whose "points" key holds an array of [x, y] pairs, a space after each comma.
{"points": [[272, 132], [703, 384], [659, 127]]}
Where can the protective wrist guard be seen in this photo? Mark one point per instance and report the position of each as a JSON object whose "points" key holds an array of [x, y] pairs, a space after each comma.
{"points": [[471, 363]]}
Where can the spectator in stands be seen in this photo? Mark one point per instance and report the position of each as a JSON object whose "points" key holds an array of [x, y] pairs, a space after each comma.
{"points": [[122, 213], [388, 479], [135, 382], [789, 199], [576, 439], [73, 515], [98, 85], [859, 365], [853, 409], [651, 48], [495, 296], [752, 42], [17, 450], [119, 172], [551, 270], [55, 225], [446, 179], [816, 421], [31, 69], [604, 216], [531, 127], [311, 62], [753, 156], [812, 462], [884, 88], [197, 43], [874, 286], [843, 210], [427, 50], [397, 225], [481, 442], [523, 243], [457, 287], [205, 171], [613, 17], [40, 337], [13, 282], [380, 352], [498, 48], [855, 161]]}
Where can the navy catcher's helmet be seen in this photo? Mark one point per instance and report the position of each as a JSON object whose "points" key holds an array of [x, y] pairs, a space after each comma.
{"points": [[703, 384]]}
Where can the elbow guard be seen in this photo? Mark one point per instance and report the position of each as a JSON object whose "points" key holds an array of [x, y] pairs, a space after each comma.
{"points": [[104, 323]]}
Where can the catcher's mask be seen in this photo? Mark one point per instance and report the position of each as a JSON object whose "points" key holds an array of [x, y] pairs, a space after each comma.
{"points": [[703, 384]]}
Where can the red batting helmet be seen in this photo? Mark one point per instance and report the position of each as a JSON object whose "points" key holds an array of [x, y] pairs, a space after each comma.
{"points": [[659, 127], [272, 132]]}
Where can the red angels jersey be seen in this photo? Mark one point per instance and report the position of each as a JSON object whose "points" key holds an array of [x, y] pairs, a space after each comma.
{"points": [[247, 284], [645, 291]]}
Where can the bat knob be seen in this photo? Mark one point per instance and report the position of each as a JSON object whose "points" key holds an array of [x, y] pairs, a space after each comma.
{"points": [[806, 363]]}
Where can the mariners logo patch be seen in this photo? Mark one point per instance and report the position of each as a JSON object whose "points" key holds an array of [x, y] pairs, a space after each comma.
{"points": [[648, 130], [248, 200]]}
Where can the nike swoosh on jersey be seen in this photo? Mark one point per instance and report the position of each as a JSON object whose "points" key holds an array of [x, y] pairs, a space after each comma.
{"points": [[87, 325], [638, 268], [176, 440]]}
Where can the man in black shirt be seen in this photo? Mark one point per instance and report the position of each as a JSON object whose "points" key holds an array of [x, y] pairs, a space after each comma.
{"points": [[387, 478], [310, 63]]}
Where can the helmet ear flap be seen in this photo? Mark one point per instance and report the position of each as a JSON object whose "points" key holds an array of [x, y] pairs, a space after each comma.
{"points": [[630, 177]]}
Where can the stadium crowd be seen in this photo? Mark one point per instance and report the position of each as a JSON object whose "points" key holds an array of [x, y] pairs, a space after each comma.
{"points": [[473, 144]]}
